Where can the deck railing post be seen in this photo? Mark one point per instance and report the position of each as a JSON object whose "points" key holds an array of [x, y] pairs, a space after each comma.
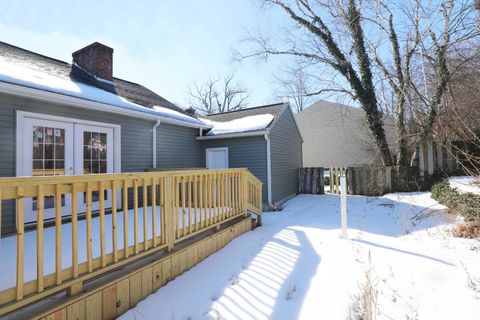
{"points": [[245, 191], [260, 205], [169, 212]]}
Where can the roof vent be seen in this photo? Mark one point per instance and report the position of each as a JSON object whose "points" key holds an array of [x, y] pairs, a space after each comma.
{"points": [[97, 59]]}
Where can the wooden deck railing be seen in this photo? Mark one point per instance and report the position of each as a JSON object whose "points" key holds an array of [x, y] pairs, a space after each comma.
{"points": [[148, 211]]}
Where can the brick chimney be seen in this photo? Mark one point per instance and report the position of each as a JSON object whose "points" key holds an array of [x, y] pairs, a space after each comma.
{"points": [[97, 59]]}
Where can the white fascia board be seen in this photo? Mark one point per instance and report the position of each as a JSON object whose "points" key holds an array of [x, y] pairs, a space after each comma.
{"points": [[22, 91], [234, 135]]}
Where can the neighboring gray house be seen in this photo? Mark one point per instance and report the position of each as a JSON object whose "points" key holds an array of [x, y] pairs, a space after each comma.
{"points": [[59, 118], [265, 139], [337, 135]]}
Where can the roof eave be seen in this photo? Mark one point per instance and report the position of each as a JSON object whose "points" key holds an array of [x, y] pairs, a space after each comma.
{"points": [[54, 97]]}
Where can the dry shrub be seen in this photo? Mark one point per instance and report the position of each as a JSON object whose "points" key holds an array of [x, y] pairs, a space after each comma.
{"points": [[365, 305], [468, 230]]}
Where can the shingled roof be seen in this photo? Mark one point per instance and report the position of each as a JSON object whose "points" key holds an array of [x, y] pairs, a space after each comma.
{"points": [[131, 91]]}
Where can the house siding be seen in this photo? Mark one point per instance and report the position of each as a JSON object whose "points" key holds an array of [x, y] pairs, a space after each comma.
{"points": [[286, 156], [177, 147], [247, 152], [136, 141], [337, 135]]}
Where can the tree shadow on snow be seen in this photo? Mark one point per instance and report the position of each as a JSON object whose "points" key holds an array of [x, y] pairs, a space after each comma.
{"points": [[272, 285]]}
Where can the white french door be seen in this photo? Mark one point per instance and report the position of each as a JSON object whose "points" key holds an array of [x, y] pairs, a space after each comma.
{"points": [[93, 155], [53, 148], [48, 151]]}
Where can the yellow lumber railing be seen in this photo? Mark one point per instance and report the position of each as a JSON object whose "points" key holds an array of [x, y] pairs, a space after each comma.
{"points": [[124, 217]]}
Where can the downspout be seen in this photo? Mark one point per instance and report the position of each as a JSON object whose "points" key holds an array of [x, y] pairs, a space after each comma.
{"points": [[269, 171], [154, 146]]}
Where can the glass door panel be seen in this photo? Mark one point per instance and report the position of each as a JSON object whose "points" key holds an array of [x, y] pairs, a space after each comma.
{"points": [[48, 149], [94, 155]]}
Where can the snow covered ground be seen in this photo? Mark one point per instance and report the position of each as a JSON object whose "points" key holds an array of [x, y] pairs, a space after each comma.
{"points": [[465, 184], [296, 266]]}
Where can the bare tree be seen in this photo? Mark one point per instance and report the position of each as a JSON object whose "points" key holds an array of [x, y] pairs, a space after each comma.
{"points": [[459, 119], [217, 96], [330, 38], [294, 89]]}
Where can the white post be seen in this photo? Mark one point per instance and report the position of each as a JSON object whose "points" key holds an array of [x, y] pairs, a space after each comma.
{"points": [[343, 202], [431, 168]]}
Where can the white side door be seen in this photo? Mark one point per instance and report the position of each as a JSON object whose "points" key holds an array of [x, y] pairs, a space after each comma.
{"points": [[48, 151], [216, 158], [93, 155]]}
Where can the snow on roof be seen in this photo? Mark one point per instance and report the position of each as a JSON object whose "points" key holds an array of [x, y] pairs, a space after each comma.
{"points": [[32, 76], [250, 123]]}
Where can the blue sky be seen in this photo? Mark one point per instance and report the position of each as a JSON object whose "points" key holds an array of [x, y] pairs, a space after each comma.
{"points": [[164, 45]]}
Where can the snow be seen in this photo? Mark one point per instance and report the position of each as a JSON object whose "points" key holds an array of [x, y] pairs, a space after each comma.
{"points": [[33, 76], [250, 123], [465, 184], [296, 266]]}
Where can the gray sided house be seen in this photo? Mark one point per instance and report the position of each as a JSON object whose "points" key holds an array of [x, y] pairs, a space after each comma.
{"points": [[337, 135], [272, 152], [76, 118], [59, 118]]}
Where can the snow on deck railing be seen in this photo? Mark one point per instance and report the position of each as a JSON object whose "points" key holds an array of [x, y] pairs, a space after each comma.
{"points": [[135, 214]]}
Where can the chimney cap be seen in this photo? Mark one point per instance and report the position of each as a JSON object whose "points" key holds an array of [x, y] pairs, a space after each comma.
{"points": [[92, 45]]}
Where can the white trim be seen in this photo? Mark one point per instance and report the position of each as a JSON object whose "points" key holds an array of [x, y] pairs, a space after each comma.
{"points": [[269, 170], [58, 98], [154, 143], [234, 135], [216, 149]]}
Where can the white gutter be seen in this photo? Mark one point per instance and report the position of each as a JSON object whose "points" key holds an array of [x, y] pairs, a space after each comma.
{"points": [[27, 92], [269, 170], [234, 135], [154, 145]]}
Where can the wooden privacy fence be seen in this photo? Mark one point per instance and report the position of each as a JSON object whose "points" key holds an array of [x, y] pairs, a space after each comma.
{"points": [[310, 180], [165, 208], [334, 178], [366, 180]]}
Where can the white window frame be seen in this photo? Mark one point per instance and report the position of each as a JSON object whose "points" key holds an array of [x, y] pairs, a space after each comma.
{"points": [[20, 135], [216, 149]]}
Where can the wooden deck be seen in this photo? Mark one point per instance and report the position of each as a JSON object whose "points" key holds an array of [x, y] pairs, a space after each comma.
{"points": [[182, 204]]}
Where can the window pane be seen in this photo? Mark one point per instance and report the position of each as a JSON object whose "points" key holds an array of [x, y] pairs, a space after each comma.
{"points": [[95, 166], [95, 138], [38, 134], [59, 135], [59, 152], [95, 153], [87, 153], [87, 167], [86, 137], [49, 152], [103, 139], [103, 166], [103, 154], [38, 150], [49, 135]]}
